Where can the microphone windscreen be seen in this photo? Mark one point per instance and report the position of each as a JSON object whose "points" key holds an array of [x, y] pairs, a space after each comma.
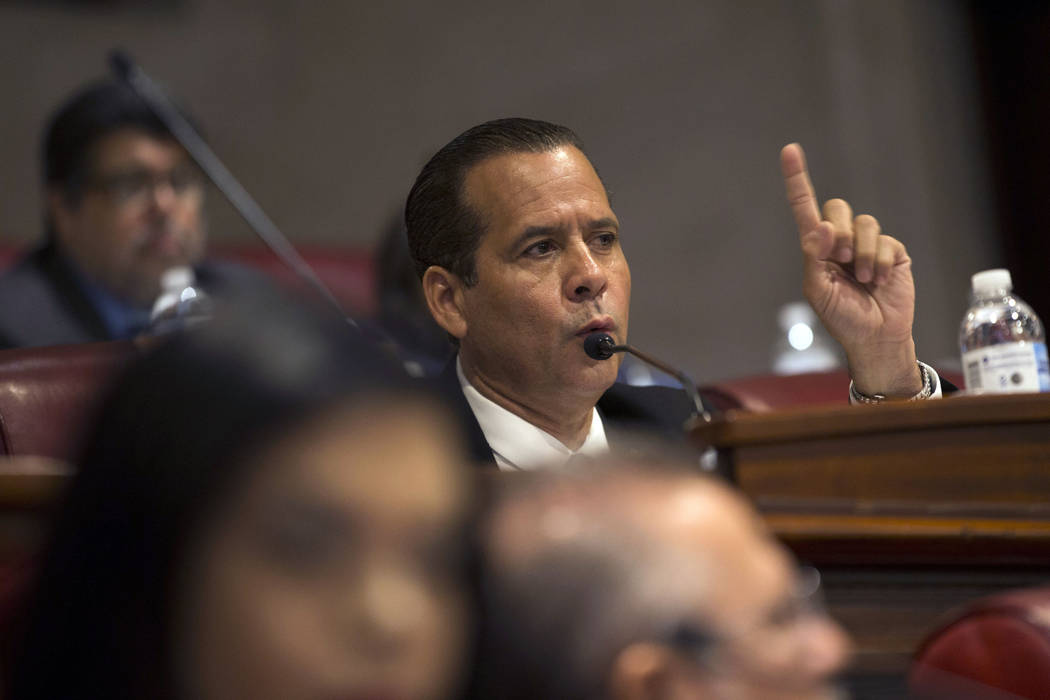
{"points": [[598, 346]]}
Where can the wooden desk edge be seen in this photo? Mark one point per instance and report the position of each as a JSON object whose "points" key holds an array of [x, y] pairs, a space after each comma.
{"points": [[736, 428]]}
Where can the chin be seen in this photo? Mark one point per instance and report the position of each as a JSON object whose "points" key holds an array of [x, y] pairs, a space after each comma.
{"points": [[599, 376]]}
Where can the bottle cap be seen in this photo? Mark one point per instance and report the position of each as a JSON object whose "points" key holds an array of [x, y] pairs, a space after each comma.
{"points": [[177, 278], [991, 280]]}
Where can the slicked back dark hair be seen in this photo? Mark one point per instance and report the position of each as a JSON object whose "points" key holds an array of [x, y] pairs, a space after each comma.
{"points": [[442, 228], [81, 121]]}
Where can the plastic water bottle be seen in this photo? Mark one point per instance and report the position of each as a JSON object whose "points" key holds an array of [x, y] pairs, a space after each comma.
{"points": [[803, 345], [180, 304], [1001, 339]]}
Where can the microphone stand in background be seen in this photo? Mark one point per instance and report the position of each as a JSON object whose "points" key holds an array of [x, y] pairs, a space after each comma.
{"points": [[128, 72]]}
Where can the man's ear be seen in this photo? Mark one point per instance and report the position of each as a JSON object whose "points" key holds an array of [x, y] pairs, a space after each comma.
{"points": [[646, 671], [444, 292]]}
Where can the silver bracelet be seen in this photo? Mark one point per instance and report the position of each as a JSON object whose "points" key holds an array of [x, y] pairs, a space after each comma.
{"points": [[924, 393]]}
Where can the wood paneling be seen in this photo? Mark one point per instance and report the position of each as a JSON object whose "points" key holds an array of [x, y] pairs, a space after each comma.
{"points": [[908, 509]]}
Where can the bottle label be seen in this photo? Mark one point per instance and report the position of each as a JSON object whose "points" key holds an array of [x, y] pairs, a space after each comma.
{"points": [[1007, 368]]}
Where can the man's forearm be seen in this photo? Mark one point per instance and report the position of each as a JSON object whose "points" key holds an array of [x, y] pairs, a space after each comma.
{"points": [[888, 370]]}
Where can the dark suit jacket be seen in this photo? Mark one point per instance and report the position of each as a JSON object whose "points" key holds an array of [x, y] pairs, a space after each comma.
{"points": [[658, 412], [41, 302]]}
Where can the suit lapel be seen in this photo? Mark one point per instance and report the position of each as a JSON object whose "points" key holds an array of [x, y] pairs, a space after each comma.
{"points": [[477, 447], [69, 294]]}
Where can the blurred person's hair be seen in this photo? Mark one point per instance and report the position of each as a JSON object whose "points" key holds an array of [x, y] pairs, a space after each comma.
{"points": [[403, 312], [74, 129], [443, 229], [396, 281], [168, 450], [558, 609], [86, 117]]}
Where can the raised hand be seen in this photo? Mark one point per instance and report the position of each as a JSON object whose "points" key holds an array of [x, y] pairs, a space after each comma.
{"points": [[859, 283]]}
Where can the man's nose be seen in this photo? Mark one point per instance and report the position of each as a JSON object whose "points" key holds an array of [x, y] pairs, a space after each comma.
{"points": [[585, 278], [384, 611], [162, 196], [828, 648]]}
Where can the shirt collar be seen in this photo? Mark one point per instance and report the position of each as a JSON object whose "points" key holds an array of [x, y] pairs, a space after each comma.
{"points": [[518, 444]]}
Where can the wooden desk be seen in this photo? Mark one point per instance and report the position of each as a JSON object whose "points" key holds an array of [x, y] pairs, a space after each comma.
{"points": [[908, 509], [29, 490]]}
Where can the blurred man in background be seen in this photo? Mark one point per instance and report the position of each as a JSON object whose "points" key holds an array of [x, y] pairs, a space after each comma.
{"points": [[123, 204], [643, 584]]}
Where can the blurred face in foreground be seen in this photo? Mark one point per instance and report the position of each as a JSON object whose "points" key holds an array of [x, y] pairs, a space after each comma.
{"points": [[335, 572], [767, 636]]}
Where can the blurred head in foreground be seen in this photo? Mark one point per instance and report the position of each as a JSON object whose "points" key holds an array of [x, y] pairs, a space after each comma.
{"points": [[649, 584], [266, 509]]}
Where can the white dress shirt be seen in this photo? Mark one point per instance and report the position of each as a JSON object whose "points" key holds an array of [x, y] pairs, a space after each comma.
{"points": [[518, 444]]}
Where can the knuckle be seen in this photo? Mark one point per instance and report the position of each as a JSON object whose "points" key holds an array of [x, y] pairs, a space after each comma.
{"points": [[866, 221], [886, 257], [836, 205], [891, 246]]}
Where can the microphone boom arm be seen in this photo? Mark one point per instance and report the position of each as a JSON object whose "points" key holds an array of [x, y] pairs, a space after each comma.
{"points": [[600, 346], [688, 384], [184, 132]]}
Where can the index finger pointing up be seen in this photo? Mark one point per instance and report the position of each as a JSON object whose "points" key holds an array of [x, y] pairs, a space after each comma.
{"points": [[800, 193]]}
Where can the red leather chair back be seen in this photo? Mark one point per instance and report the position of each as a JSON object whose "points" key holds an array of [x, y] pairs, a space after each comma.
{"points": [[47, 394], [769, 392], [47, 398], [997, 647], [348, 273]]}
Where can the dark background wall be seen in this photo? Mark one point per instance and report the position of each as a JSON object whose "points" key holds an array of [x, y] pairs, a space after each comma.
{"points": [[1012, 42], [326, 110]]}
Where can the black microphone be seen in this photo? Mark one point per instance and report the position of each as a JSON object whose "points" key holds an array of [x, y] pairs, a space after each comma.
{"points": [[601, 346]]}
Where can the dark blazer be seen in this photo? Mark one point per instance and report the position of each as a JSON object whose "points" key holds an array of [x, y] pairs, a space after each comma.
{"points": [[41, 302], [658, 412]]}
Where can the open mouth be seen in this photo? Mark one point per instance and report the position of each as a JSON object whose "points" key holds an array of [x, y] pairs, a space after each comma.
{"points": [[598, 325]]}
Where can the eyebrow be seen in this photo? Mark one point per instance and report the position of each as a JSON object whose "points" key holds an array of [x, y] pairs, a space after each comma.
{"points": [[546, 231], [307, 509]]}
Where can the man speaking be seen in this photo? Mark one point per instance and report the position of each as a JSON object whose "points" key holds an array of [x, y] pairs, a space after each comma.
{"points": [[520, 257]]}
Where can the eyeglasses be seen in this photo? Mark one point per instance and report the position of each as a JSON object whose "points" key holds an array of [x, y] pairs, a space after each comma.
{"points": [[135, 187], [771, 654], [805, 604]]}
